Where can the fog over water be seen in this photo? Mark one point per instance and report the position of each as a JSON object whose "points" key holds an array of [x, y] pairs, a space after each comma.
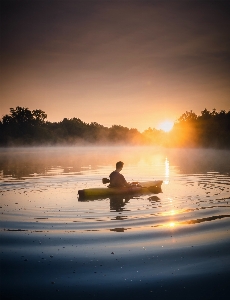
{"points": [[142, 245]]}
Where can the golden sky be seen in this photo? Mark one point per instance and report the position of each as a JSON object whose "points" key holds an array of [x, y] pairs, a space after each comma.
{"points": [[131, 63]]}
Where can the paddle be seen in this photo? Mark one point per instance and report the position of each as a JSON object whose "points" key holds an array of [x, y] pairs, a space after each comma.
{"points": [[106, 180]]}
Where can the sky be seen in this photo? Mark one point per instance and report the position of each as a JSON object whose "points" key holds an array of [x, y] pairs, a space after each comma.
{"points": [[129, 63]]}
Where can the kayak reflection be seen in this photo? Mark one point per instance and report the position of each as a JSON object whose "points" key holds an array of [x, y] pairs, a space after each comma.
{"points": [[118, 202]]}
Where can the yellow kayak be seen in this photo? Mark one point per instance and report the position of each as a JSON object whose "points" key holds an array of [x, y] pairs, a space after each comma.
{"points": [[149, 187]]}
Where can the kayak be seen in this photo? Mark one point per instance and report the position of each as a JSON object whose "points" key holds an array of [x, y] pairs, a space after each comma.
{"points": [[149, 187]]}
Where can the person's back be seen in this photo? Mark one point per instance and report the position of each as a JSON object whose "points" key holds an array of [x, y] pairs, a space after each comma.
{"points": [[117, 180]]}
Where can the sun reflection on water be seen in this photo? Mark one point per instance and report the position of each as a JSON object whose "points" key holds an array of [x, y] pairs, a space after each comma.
{"points": [[172, 224], [166, 181], [174, 212], [47, 194]]}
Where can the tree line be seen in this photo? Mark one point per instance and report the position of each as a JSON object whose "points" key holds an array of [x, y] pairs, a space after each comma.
{"points": [[209, 129], [25, 127]]}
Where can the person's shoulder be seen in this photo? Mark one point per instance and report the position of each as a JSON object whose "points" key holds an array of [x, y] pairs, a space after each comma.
{"points": [[114, 172]]}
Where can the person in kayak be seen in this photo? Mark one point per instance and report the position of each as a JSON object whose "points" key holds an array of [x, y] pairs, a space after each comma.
{"points": [[117, 180]]}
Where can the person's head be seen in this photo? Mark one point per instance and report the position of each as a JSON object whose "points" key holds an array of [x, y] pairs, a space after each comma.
{"points": [[119, 165]]}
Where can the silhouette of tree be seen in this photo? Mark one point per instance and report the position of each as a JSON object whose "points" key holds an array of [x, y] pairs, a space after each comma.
{"points": [[25, 127], [21, 125], [210, 129], [153, 136], [188, 116], [39, 116]]}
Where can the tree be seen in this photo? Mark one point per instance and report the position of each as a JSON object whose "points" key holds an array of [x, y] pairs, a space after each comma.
{"points": [[188, 116], [22, 126], [39, 116], [25, 127], [22, 115]]}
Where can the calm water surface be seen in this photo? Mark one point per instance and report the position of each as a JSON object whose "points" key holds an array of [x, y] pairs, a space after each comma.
{"points": [[145, 245]]}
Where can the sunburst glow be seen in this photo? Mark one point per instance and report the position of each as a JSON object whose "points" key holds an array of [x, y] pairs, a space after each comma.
{"points": [[166, 125]]}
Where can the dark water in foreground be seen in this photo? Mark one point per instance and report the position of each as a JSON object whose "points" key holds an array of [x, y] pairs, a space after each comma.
{"points": [[171, 245]]}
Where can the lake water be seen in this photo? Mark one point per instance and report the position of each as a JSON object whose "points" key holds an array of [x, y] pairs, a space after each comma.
{"points": [[175, 244]]}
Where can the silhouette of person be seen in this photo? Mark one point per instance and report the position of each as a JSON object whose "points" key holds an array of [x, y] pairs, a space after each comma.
{"points": [[117, 180]]}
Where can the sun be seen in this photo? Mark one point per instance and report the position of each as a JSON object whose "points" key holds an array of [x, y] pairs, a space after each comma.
{"points": [[166, 125]]}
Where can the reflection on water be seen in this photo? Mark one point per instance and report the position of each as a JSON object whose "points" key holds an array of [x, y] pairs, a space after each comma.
{"points": [[117, 203], [143, 242], [41, 184], [166, 181]]}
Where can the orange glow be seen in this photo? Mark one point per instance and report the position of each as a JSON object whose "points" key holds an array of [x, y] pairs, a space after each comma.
{"points": [[166, 125], [172, 224]]}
